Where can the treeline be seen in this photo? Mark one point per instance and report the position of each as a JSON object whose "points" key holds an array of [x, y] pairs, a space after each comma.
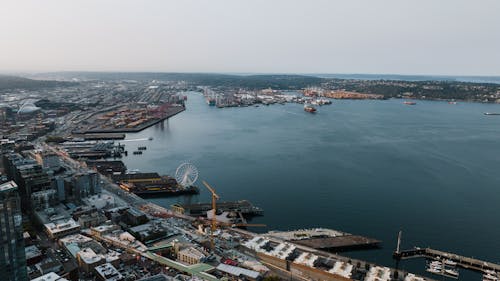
{"points": [[251, 82], [446, 90], [8, 82]]}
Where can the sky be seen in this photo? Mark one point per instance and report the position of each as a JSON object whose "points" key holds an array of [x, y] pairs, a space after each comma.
{"points": [[432, 37]]}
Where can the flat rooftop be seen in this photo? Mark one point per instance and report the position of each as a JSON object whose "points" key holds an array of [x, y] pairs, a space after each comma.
{"points": [[10, 185]]}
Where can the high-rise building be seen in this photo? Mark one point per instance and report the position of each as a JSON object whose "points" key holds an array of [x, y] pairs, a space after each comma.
{"points": [[12, 255], [28, 174]]}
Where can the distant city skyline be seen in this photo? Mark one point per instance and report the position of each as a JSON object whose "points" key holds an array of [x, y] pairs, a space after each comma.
{"points": [[223, 36]]}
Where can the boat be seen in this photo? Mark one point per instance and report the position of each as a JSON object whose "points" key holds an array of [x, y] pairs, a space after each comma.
{"points": [[409, 103], [449, 262], [490, 277], [309, 108], [451, 272], [452, 102], [323, 101], [491, 113], [150, 138], [211, 101]]}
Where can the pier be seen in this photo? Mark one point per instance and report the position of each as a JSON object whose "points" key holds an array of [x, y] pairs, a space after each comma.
{"points": [[243, 206], [461, 261], [341, 243], [106, 130], [326, 239]]}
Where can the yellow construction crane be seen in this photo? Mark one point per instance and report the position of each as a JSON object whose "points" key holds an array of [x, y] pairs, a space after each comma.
{"points": [[214, 218]]}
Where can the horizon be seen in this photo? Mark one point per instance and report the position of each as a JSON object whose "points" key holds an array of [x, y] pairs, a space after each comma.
{"points": [[21, 73]]}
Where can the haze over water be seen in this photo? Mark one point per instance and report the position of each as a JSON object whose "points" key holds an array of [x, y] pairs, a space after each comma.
{"points": [[366, 167]]}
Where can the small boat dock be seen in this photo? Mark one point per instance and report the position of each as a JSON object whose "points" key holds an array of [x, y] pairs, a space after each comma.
{"points": [[450, 258]]}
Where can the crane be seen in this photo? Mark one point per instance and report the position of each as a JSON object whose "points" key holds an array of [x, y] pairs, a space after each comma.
{"points": [[214, 209]]}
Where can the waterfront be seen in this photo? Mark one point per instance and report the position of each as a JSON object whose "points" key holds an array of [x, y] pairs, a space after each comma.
{"points": [[365, 167]]}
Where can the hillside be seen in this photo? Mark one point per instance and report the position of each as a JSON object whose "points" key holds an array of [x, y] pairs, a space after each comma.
{"points": [[8, 82]]}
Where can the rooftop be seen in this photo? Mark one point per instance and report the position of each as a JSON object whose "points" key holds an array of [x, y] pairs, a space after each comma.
{"points": [[61, 225], [108, 272], [88, 256], [237, 271], [8, 186], [50, 277], [32, 252]]}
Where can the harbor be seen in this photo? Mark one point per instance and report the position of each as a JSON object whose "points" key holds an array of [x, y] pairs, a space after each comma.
{"points": [[285, 183]]}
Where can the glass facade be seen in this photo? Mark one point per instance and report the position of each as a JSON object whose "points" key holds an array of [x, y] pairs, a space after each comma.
{"points": [[12, 256]]}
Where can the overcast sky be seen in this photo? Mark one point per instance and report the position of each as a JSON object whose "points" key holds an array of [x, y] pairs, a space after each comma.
{"points": [[454, 37]]}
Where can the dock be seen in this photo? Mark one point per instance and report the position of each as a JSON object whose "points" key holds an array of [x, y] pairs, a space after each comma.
{"points": [[169, 113], [326, 239], [341, 243], [461, 261], [243, 206], [105, 136]]}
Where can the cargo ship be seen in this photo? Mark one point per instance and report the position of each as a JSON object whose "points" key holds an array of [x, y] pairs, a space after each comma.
{"points": [[409, 103], [309, 108], [145, 184]]}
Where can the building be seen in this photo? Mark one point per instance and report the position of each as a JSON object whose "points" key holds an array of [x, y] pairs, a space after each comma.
{"points": [[190, 255], [88, 259], [33, 255], [87, 183], [135, 217], [12, 255], [29, 176], [61, 227], [44, 199], [107, 272], [149, 232], [235, 271], [48, 160], [50, 277]]}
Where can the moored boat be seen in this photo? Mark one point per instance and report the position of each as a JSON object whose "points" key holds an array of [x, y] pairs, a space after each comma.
{"points": [[309, 108]]}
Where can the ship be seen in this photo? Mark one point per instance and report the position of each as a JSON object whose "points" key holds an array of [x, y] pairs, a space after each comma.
{"points": [[491, 113], [211, 101], [409, 103], [309, 108]]}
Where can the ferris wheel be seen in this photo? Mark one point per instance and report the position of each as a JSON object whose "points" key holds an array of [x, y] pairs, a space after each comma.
{"points": [[186, 174]]}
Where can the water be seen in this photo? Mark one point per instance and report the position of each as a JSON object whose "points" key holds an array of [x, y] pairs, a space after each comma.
{"points": [[365, 167]]}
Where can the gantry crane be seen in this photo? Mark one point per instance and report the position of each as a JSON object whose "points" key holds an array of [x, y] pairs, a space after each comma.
{"points": [[214, 218]]}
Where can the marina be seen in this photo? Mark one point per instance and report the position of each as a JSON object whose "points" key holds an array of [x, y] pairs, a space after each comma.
{"points": [[444, 263]]}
